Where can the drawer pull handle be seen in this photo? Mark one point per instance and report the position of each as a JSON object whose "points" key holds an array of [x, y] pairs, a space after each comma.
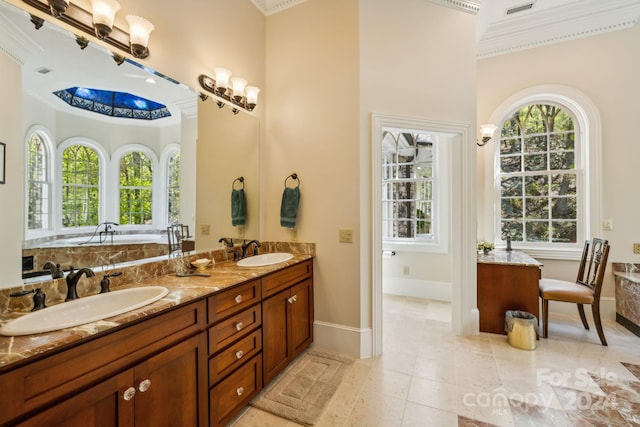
{"points": [[129, 393], [239, 326], [238, 299], [144, 385], [240, 390], [293, 299], [239, 354]]}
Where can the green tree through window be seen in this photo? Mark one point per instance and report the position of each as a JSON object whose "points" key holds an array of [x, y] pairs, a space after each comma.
{"points": [[136, 185], [80, 186], [538, 176], [37, 183], [173, 186]]}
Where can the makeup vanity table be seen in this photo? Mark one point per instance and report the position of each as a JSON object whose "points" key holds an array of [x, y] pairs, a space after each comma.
{"points": [[507, 280]]}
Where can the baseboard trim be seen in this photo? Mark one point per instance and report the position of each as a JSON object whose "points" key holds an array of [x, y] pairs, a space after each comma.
{"points": [[347, 340], [607, 308], [426, 289]]}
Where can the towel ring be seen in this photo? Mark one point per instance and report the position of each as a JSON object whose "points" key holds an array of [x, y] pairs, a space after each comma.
{"points": [[293, 176], [241, 180]]}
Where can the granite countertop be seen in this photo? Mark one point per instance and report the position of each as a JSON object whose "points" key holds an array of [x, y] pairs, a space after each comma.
{"points": [[508, 258], [632, 277], [182, 290]]}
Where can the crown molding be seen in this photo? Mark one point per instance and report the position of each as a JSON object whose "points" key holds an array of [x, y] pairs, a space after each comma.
{"points": [[15, 43], [269, 7], [469, 6], [558, 24]]}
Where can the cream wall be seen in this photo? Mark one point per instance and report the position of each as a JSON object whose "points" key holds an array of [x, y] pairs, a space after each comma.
{"points": [[606, 69], [312, 129], [11, 195]]}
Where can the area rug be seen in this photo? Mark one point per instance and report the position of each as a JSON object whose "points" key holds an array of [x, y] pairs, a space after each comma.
{"points": [[303, 390]]}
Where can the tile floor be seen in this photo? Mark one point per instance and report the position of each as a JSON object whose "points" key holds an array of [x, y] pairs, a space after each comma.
{"points": [[429, 377]]}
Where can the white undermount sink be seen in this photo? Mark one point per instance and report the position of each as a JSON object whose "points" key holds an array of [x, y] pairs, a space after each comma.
{"points": [[264, 259], [83, 310]]}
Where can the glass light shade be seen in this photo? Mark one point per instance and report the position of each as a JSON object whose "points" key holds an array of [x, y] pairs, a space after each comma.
{"points": [[222, 77], [237, 85], [252, 95], [139, 30], [104, 11], [487, 130]]}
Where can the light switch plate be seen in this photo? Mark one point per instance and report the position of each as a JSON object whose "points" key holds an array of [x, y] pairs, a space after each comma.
{"points": [[345, 235]]}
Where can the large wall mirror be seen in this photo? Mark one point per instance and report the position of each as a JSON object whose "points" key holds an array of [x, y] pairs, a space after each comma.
{"points": [[214, 145]]}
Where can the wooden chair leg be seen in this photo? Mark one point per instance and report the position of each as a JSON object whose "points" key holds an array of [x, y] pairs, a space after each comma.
{"points": [[582, 316], [595, 308], [545, 317]]}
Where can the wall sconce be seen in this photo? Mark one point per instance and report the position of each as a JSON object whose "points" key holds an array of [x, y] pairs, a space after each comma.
{"points": [[99, 23], [238, 93], [487, 133], [104, 13]]}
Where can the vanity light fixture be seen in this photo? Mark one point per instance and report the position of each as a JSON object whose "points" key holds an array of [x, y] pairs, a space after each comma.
{"points": [[58, 7], [230, 90], [487, 133], [99, 23], [104, 13]]}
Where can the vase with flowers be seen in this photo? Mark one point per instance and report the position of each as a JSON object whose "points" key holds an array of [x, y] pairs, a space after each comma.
{"points": [[485, 246]]}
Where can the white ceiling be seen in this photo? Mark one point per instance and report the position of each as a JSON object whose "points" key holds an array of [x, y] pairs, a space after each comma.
{"points": [[546, 22]]}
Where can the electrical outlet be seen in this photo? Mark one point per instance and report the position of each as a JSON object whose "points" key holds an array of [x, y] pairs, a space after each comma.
{"points": [[636, 248], [607, 224], [345, 235], [204, 229], [405, 270]]}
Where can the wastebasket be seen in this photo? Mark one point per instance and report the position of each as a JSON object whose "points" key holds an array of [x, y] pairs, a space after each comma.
{"points": [[521, 328]]}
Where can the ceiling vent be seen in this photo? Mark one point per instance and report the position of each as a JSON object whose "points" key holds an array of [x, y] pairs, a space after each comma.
{"points": [[521, 8], [43, 70]]}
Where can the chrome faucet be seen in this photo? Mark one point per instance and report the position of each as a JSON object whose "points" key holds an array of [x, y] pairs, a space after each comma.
{"points": [[246, 245], [72, 281]]}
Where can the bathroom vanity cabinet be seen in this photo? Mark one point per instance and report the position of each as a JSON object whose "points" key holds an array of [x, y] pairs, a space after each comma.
{"points": [[197, 364], [118, 379], [287, 316]]}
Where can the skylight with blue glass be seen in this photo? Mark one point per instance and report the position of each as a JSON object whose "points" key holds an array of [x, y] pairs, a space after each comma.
{"points": [[111, 103]]}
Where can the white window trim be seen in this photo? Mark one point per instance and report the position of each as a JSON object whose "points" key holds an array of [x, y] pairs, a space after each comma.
{"points": [[51, 159], [102, 159], [163, 176], [156, 207], [589, 137]]}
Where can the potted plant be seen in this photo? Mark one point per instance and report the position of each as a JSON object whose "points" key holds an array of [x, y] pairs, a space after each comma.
{"points": [[485, 247]]}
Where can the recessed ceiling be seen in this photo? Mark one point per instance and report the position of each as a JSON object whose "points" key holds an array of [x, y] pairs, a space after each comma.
{"points": [[269, 7]]}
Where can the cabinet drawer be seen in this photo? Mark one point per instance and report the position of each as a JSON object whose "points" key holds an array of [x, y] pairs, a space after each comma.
{"points": [[274, 283], [232, 394], [230, 301], [234, 328], [238, 353]]}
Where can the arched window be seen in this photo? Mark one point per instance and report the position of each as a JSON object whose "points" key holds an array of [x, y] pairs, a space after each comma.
{"points": [[136, 188], [543, 180], [38, 183], [173, 188], [80, 186], [538, 176]]}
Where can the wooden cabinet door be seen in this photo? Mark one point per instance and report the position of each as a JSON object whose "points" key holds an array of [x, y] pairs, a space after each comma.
{"points": [[301, 319], [275, 342], [102, 405], [171, 387]]}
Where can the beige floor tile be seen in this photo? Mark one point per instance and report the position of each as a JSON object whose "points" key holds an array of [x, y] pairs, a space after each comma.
{"points": [[374, 409], [416, 415], [433, 394]]}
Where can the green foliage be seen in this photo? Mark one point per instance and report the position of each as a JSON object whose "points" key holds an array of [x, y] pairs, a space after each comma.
{"points": [[136, 182], [80, 186]]}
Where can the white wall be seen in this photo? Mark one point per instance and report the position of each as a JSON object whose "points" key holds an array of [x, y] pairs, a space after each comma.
{"points": [[606, 69], [11, 195]]}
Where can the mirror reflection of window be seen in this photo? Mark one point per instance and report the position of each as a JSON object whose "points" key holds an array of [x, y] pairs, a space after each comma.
{"points": [[80, 186], [173, 188], [38, 183], [136, 188]]}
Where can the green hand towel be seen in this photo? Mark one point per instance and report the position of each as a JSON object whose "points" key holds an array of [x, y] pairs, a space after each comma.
{"points": [[238, 207], [289, 207]]}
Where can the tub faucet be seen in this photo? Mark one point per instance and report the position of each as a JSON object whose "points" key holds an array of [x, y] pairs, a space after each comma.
{"points": [[246, 245], [56, 272], [72, 281]]}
